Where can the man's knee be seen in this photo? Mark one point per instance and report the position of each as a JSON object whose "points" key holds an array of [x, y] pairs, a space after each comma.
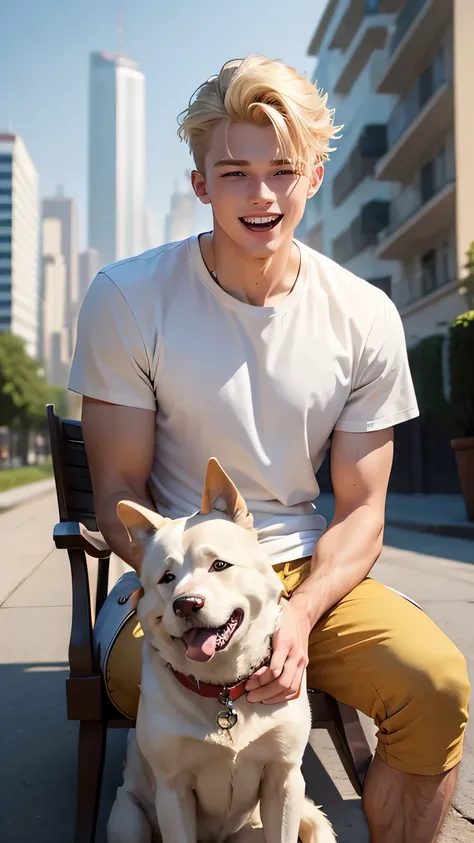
{"points": [[424, 732]]}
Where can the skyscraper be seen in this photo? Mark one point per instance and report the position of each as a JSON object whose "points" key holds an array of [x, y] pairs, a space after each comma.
{"points": [[88, 268], [54, 335], [19, 288], [116, 157], [64, 209], [181, 221]]}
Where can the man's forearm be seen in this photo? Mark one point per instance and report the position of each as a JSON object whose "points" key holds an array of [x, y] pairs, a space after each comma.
{"points": [[114, 531], [342, 558]]}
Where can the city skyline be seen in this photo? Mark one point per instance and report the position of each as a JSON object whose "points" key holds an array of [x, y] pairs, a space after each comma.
{"points": [[174, 58]]}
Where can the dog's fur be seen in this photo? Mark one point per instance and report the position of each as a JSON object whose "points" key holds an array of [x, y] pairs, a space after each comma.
{"points": [[185, 779]]}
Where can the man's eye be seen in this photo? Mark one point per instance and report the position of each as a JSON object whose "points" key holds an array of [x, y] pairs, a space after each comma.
{"points": [[167, 578], [235, 173], [220, 565], [285, 172]]}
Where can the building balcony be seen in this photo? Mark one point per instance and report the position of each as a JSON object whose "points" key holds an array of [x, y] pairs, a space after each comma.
{"points": [[418, 24], [350, 22], [371, 36], [370, 146], [322, 28], [418, 216], [362, 231], [389, 7], [426, 113]]}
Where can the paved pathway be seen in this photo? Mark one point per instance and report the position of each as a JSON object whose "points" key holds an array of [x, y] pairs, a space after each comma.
{"points": [[37, 782]]}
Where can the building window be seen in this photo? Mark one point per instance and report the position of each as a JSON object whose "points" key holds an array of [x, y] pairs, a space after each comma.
{"points": [[5, 238], [6, 255], [5, 320], [5, 176], [5, 191], [428, 272], [5, 271], [5, 288], [6, 223], [5, 206], [5, 159]]}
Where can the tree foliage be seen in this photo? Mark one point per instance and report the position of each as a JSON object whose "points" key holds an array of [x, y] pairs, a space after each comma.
{"points": [[24, 391], [461, 359]]}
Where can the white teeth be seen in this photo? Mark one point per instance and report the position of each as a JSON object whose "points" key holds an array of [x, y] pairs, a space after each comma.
{"points": [[260, 220]]}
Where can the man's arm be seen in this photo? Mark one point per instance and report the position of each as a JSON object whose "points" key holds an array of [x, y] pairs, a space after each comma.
{"points": [[343, 556], [120, 444], [360, 471]]}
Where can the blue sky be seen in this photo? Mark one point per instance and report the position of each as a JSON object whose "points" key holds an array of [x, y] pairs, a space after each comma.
{"points": [[44, 47]]}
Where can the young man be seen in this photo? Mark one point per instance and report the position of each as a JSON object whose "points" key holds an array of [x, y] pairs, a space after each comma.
{"points": [[245, 345]]}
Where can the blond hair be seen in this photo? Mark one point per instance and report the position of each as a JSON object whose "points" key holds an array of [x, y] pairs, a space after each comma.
{"points": [[263, 92]]}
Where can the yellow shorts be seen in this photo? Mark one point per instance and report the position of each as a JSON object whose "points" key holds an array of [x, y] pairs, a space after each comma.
{"points": [[374, 651], [380, 654]]}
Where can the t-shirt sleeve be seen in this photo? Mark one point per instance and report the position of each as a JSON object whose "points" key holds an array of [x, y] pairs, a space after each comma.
{"points": [[382, 393], [110, 361]]}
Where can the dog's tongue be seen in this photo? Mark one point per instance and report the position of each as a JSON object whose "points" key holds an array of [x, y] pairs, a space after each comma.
{"points": [[200, 644]]}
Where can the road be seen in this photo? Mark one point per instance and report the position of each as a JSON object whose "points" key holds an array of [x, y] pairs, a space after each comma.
{"points": [[37, 784]]}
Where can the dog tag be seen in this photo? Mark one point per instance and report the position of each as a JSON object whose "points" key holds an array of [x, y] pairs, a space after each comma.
{"points": [[227, 718]]}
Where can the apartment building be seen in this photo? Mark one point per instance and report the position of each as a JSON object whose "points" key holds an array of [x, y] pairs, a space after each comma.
{"points": [[345, 217], [429, 161]]}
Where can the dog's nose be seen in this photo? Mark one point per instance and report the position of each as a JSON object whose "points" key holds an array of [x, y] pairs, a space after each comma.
{"points": [[187, 605]]}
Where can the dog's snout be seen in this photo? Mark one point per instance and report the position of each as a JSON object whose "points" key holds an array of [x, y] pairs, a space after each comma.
{"points": [[187, 605]]}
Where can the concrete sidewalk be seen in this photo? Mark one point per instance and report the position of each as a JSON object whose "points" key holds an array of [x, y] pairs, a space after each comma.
{"points": [[443, 515], [37, 782], [22, 494]]}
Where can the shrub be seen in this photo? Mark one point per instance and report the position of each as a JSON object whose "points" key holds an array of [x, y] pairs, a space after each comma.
{"points": [[461, 362]]}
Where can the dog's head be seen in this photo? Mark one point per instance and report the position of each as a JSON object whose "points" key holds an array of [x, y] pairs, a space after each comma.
{"points": [[210, 601]]}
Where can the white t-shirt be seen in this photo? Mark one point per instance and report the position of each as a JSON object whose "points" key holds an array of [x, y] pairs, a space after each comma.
{"points": [[259, 388]]}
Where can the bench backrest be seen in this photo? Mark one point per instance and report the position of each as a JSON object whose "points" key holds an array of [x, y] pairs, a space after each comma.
{"points": [[71, 471]]}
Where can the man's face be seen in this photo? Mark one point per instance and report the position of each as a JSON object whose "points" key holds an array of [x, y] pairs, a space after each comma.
{"points": [[257, 197]]}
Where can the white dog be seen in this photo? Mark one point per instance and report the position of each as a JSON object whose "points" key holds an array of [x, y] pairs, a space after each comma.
{"points": [[205, 764]]}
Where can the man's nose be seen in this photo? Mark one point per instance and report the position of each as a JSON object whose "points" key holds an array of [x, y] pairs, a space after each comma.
{"points": [[187, 605]]}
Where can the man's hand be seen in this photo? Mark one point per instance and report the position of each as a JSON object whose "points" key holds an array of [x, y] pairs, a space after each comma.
{"points": [[281, 681]]}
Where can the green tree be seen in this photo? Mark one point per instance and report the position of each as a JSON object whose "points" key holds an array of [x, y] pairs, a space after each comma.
{"points": [[23, 390]]}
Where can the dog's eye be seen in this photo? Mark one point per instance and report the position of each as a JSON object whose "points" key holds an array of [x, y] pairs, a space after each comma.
{"points": [[220, 565], [167, 578]]}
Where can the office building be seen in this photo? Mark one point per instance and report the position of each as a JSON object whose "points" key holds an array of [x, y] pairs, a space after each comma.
{"points": [[19, 287], [54, 335], [64, 209], [429, 161], [116, 157], [88, 269], [351, 207]]}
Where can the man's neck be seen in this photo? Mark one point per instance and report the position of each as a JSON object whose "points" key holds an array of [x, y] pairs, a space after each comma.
{"points": [[260, 282]]}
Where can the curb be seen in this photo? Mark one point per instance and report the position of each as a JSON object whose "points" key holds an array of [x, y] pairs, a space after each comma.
{"points": [[454, 531], [23, 494]]}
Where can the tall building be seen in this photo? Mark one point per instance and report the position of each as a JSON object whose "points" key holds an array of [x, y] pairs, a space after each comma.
{"points": [[19, 283], [116, 157], [64, 209], [54, 335], [89, 266], [429, 162], [181, 221], [351, 207]]}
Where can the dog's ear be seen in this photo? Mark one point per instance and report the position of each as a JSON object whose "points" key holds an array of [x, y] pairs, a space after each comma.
{"points": [[220, 493], [141, 523]]}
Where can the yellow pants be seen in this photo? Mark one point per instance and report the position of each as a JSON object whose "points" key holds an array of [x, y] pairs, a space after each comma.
{"points": [[374, 651], [380, 654]]}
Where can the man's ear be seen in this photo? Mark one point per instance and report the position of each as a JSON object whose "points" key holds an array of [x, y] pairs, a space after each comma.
{"points": [[200, 187], [220, 493], [316, 179], [141, 523]]}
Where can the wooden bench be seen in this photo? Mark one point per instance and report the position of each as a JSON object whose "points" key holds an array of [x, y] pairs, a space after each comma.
{"points": [[86, 698]]}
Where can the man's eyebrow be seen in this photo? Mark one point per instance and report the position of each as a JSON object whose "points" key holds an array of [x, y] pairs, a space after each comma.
{"points": [[234, 162]]}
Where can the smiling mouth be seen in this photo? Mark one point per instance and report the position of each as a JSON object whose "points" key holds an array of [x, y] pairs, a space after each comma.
{"points": [[261, 223], [203, 642]]}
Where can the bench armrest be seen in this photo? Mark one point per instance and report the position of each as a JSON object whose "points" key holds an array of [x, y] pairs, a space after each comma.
{"points": [[72, 535]]}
